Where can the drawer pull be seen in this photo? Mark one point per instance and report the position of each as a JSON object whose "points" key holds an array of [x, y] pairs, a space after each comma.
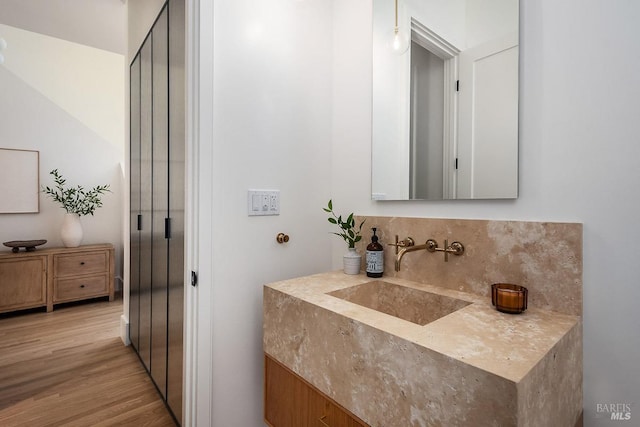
{"points": [[81, 262], [82, 286]]}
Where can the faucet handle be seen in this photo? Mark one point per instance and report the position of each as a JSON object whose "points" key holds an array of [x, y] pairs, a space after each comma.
{"points": [[457, 248], [406, 242], [402, 243]]}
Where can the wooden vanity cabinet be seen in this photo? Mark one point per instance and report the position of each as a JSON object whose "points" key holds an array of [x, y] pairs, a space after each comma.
{"points": [[50, 276], [290, 401]]}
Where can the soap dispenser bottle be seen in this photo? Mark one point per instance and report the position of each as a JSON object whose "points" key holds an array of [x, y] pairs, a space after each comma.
{"points": [[375, 257]]}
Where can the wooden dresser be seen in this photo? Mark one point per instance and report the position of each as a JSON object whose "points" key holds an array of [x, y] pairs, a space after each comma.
{"points": [[46, 277]]}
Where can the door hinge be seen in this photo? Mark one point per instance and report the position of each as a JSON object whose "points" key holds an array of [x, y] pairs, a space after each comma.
{"points": [[457, 85], [194, 278]]}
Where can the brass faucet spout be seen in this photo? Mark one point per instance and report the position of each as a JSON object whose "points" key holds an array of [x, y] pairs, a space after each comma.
{"points": [[404, 250]]}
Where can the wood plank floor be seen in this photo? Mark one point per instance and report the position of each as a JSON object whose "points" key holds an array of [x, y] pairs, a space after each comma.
{"points": [[70, 368]]}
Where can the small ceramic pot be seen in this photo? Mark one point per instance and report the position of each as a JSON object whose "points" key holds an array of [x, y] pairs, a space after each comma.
{"points": [[351, 261]]}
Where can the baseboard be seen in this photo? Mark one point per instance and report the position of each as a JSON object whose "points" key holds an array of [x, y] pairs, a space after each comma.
{"points": [[124, 330]]}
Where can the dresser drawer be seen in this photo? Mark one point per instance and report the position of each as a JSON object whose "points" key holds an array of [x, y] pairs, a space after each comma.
{"points": [[81, 287], [80, 263]]}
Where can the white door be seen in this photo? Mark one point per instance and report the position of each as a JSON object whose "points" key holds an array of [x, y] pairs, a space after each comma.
{"points": [[488, 121]]}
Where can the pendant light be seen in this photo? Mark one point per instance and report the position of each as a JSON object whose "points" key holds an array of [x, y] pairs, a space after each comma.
{"points": [[399, 40]]}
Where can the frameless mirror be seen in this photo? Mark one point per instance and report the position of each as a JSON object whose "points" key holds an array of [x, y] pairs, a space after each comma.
{"points": [[445, 99]]}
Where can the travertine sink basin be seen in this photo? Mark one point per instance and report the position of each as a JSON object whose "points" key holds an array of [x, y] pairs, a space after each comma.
{"points": [[406, 303], [376, 348]]}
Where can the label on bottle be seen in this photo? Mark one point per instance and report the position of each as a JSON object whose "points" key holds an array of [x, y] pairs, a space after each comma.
{"points": [[375, 261]]}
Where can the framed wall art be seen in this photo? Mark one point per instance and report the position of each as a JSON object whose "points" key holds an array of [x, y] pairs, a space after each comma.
{"points": [[19, 181]]}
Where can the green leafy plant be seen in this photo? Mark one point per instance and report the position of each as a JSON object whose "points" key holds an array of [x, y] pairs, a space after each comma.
{"points": [[75, 199], [348, 230]]}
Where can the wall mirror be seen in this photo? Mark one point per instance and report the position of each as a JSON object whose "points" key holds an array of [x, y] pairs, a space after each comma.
{"points": [[445, 99], [19, 181]]}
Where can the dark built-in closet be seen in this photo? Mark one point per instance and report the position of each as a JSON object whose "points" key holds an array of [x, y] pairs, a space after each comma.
{"points": [[157, 105]]}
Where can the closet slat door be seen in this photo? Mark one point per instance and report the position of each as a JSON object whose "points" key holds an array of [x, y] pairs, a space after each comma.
{"points": [[134, 176], [146, 180], [158, 183], [161, 226], [177, 187]]}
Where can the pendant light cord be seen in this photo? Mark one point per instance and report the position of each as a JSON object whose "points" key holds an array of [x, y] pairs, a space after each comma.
{"points": [[396, 21]]}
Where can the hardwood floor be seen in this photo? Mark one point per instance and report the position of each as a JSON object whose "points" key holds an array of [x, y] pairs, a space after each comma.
{"points": [[70, 368]]}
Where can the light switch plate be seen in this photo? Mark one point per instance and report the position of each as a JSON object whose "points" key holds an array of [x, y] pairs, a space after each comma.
{"points": [[263, 202]]}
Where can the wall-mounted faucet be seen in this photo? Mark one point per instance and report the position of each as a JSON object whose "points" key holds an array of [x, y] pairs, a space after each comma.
{"points": [[408, 245]]}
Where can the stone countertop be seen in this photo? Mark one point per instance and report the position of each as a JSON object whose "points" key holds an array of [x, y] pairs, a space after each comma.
{"points": [[503, 344]]}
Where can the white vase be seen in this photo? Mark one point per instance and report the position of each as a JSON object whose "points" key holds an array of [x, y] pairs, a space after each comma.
{"points": [[351, 261], [71, 232]]}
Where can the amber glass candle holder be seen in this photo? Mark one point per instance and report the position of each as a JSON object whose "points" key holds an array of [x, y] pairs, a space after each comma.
{"points": [[509, 298]]}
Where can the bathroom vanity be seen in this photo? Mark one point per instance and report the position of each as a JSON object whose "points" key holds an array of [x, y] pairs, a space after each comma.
{"points": [[423, 345], [394, 352]]}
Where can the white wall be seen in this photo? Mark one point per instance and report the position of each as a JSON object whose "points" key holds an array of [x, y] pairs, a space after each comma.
{"points": [[86, 82], [271, 127], [579, 102], [489, 19], [96, 23], [141, 14], [34, 119]]}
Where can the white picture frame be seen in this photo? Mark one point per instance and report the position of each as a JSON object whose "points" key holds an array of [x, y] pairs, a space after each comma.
{"points": [[19, 181]]}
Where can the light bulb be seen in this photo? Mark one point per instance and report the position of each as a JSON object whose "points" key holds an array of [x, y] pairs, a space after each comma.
{"points": [[398, 41]]}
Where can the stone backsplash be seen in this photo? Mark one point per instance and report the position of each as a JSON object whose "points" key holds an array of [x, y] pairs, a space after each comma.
{"points": [[544, 257]]}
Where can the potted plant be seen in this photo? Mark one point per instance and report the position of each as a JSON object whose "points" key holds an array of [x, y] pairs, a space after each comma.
{"points": [[351, 234], [77, 202]]}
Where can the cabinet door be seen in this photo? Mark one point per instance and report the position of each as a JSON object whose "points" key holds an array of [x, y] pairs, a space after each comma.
{"points": [[291, 402], [334, 416], [135, 214], [176, 204], [146, 180], [23, 283], [160, 255]]}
